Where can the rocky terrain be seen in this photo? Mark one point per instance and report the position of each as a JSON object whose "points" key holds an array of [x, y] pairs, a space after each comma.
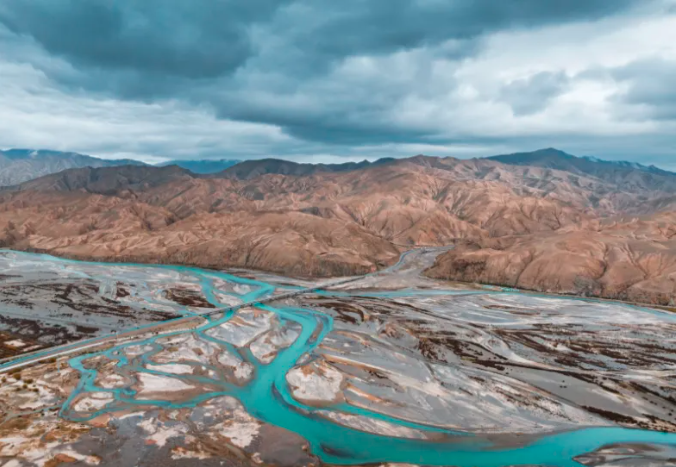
{"points": [[627, 259], [545, 221]]}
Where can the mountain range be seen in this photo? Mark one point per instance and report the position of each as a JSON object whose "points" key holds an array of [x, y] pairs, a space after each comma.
{"points": [[20, 165], [611, 171], [202, 166], [545, 220]]}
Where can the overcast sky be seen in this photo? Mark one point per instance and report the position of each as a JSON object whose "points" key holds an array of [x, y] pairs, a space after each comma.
{"points": [[337, 80]]}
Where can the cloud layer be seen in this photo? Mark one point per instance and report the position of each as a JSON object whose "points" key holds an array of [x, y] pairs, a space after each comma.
{"points": [[320, 80]]}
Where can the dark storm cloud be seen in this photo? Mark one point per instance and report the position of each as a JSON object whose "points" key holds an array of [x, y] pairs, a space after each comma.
{"points": [[227, 54], [650, 87], [531, 95], [354, 27], [194, 39], [207, 38]]}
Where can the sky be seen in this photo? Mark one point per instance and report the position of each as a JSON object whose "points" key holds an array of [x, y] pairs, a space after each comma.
{"points": [[336, 81]]}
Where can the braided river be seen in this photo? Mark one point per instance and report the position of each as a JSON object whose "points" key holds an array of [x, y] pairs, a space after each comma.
{"points": [[266, 395]]}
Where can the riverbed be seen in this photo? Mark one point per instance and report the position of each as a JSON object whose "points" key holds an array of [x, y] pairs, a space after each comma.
{"points": [[368, 372]]}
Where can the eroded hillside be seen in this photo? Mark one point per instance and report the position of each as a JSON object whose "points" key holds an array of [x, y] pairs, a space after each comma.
{"points": [[535, 227]]}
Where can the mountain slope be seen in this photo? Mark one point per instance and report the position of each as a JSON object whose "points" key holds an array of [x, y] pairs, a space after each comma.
{"points": [[116, 181], [254, 168], [529, 226], [202, 166], [631, 176], [337, 220], [628, 259], [626, 248], [20, 165]]}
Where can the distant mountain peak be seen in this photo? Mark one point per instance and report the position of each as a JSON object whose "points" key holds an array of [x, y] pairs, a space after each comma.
{"points": [[20, 165], [552, 150], [614, 171], [255, 167], [204, 166]]}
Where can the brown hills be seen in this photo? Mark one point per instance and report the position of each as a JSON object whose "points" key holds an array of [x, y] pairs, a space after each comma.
{"points": [[530, 226], [631, 260]]}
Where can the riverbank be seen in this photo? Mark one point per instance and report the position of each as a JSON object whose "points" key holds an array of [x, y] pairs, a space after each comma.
{"points": [[433, 271]]}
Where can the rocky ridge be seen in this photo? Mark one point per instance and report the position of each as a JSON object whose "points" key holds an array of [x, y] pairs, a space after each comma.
{"points": [[530, 226]]}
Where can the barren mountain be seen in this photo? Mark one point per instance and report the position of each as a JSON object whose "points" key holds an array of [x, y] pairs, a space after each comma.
{"points": [[530, 226], [117, 181], [19, 165], [631, 176], [627, 259], [202, 166], [93, 226], [254, 168]]}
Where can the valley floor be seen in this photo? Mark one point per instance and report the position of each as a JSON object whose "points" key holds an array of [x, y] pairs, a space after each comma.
{"points": [[198, 367]]}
